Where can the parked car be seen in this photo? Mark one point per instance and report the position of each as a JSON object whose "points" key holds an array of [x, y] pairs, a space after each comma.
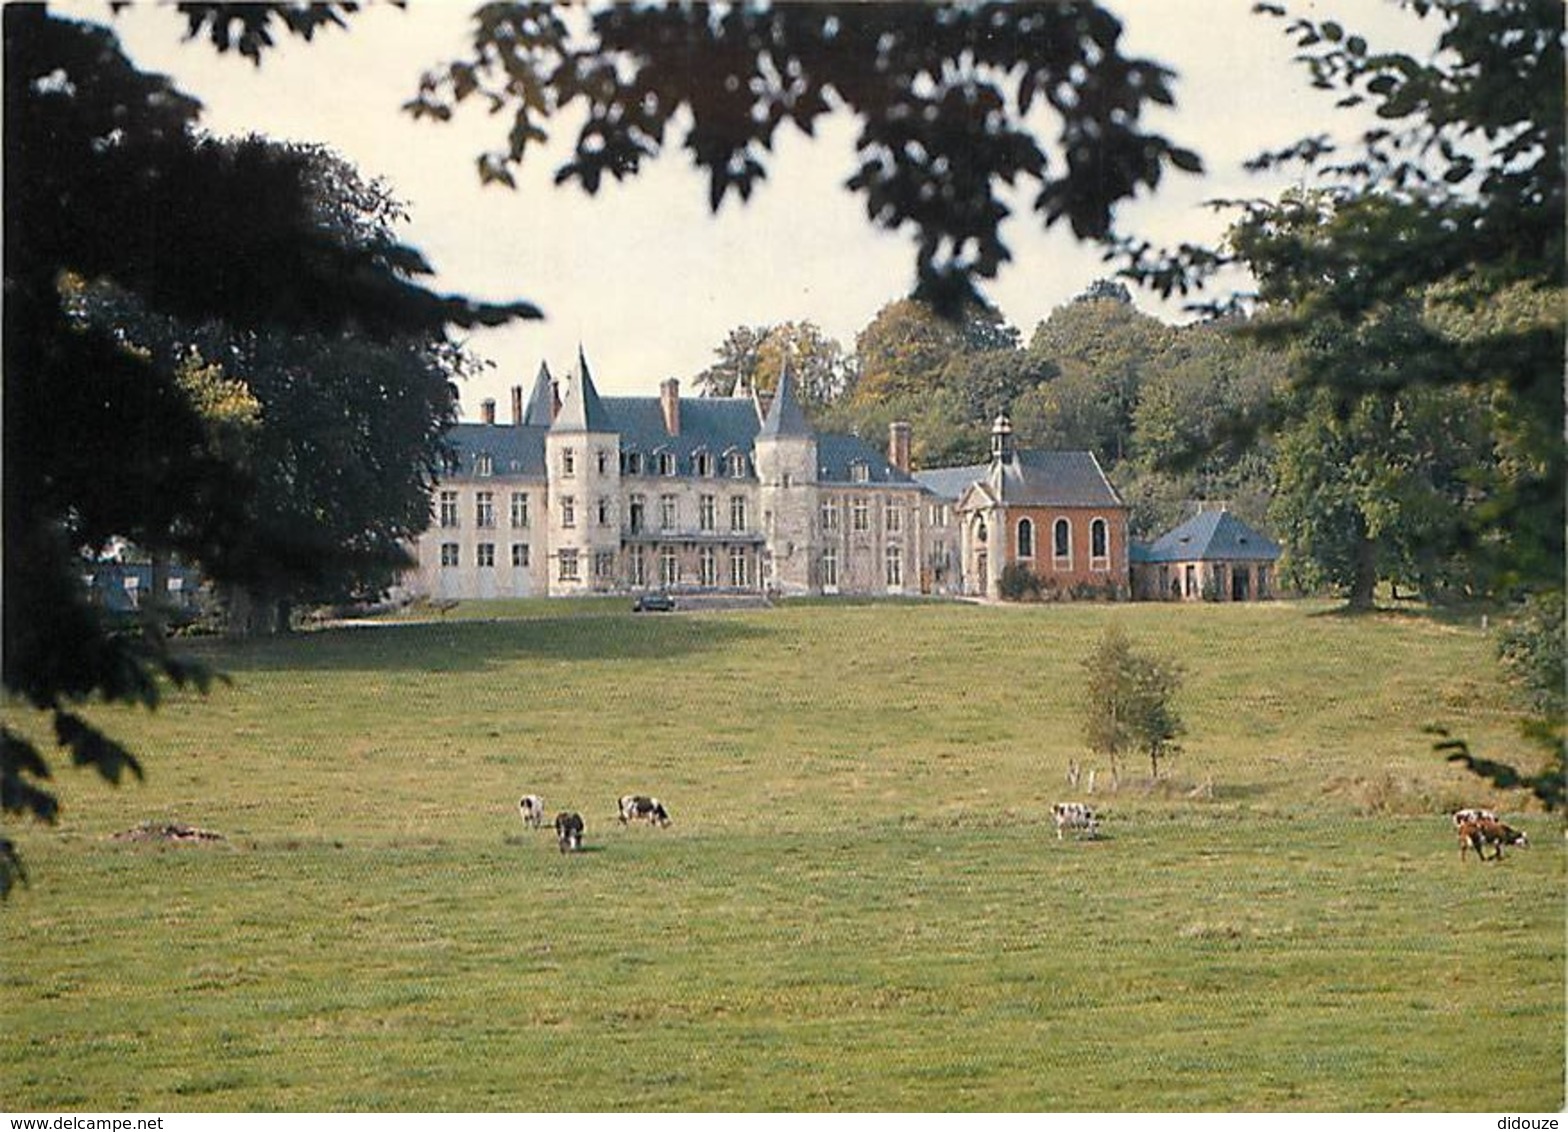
{"points": [[657, 602]]}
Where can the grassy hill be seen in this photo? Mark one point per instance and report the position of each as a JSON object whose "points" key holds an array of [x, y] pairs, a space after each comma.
{"points": [[861, 904]]}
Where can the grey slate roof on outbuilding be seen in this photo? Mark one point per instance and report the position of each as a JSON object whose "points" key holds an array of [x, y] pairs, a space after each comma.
{"points": [[1210, 536]]}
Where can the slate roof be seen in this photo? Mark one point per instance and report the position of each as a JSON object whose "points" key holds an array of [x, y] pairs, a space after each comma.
{"points": [[581, 409], [1055, 479], [714, 424], [1210, 536], [837, 454], [950, 483], [785, 417], [541, 403], [515, 450]]}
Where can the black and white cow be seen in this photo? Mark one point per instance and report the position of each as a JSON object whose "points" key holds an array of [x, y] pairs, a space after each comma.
{"points": [[531, 806], [640, 807], [569, 831], [1075, 815]]}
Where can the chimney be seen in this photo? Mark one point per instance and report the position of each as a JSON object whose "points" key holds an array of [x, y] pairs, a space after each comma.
{"points": [[487, 410], [670, 402], [517, 404], [898, 436]]}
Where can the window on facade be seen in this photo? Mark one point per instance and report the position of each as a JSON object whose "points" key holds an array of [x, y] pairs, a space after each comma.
{"points": [[1062, 542], [707, 567], [519, 508], [604, 511], [1099, 543], [894, 518], [667, 513], [604, 565], [484, 509], [738, 566], [568, 461], [637, 566], [486, 555], [519, 555], [895, 568], [568, 564], [737, 512], [449, 508], [669, 567], [568, 511], [484, 465], [637, 513], [830, 569], [449, 554], [1025, 538], [603, 457], [705, 513], [858, 520], [829, 515]]}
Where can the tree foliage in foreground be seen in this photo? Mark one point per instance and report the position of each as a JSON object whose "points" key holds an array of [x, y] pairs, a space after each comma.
{"points": [[949, 98], [107, 182]]}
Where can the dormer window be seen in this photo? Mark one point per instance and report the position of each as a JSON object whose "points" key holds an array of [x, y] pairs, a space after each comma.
{"points": [[735, 464], [666, 463], [859, 472], [484, 465], [632, 463], [702, 463]]}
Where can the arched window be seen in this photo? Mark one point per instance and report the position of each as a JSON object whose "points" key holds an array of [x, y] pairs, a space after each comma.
{"points": [[1025, 538], [1062, 543], [1099, 544]]}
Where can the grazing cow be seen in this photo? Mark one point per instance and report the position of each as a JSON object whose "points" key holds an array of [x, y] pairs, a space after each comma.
{"points": [[531, 806], [569, 831], [1075, 815], [1480, 833], [1462, 816], [634, 807]]}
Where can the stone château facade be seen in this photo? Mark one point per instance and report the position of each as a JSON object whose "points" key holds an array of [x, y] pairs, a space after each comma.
{"points": [[586, 494]]}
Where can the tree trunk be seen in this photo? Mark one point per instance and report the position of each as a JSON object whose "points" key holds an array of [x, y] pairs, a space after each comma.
{"points": [[252, 615], [1364, 581], [155, 606]]}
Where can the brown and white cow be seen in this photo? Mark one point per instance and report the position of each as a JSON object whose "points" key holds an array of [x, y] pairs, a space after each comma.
{"points": [[640, 807], [531, 807], [1075, 815], [569, 831], [1477, 834]]}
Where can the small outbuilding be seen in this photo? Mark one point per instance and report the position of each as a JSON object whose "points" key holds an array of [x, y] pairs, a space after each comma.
{"points": [[1213, 556]]}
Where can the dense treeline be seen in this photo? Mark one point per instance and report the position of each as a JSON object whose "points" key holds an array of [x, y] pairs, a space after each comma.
{"points": [[1158, 405]]}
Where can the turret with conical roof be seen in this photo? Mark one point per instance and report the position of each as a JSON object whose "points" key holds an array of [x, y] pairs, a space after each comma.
{"points": [[583, 463], [541, 402], [786, 458]]}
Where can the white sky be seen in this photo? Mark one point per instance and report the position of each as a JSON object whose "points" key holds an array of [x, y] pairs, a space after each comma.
{"points": [[642, 275]]}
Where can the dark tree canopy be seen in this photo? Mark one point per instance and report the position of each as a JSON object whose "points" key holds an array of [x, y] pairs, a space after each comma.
{"points": [[107, 184]]}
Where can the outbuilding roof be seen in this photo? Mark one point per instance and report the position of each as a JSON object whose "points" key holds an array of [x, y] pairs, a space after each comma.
{"points": [[1210, 536]]}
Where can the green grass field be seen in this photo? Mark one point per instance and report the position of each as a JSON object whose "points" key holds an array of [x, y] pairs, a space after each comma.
{"points": [[861, 903]]}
